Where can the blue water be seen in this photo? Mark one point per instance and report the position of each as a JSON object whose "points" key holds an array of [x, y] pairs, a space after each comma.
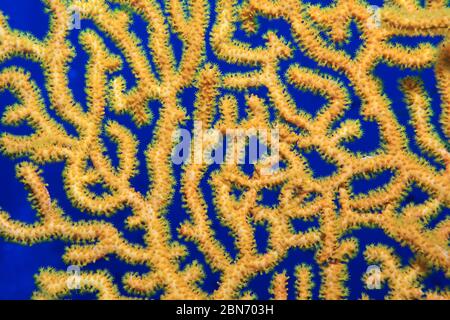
{"points": [[19, 264]]}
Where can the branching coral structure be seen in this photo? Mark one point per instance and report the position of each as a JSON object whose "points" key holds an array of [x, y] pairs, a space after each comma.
{"points": [[204, 28]]}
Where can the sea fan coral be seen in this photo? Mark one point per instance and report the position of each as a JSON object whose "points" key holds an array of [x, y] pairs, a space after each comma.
{"points": [[349, 115]]}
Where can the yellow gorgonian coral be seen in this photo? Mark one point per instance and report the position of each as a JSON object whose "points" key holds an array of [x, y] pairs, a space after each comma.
{"points": [[163, 79]]}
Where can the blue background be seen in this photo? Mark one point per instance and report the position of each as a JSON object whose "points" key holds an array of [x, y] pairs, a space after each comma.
{"points": [[18, 264]]}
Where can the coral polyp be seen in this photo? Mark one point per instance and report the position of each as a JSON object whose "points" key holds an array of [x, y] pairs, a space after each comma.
{"points": [[243, 65]]}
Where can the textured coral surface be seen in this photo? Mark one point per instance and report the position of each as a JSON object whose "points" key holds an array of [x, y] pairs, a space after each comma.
{"points": [[360, 94]]}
